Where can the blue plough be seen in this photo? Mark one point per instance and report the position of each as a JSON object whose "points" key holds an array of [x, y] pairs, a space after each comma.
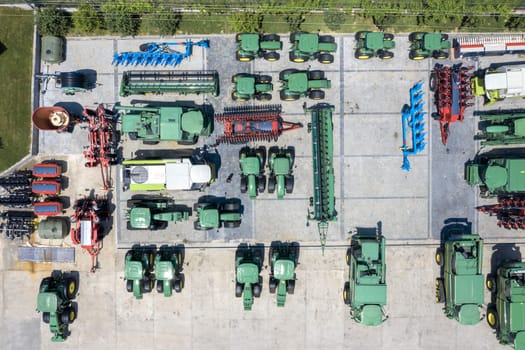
{"points": [[154, 54], [412, 117]]}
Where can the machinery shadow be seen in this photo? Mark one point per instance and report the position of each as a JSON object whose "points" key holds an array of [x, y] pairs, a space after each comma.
{"points": [[501, 152], [452, 227], [257, 250], [296, 246], [220, 200]]}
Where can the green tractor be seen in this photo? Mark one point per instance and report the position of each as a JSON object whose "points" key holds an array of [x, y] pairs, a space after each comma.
{"points": [[301, 83], [311, 46], [424, 45], [374, 44], [506, 314], [153, 213], [248, 86], [168, 267], [496, 176], [283, 258], [461, 284], [252, 162], [138, 273], [155, 124], [365, 291], [54, 300], [501, 129], [253, 45], [280, 161], [248, 265], [213, 215]]}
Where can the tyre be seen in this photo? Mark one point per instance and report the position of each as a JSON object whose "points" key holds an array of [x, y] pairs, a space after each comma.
{"points": [[440, 55], [263, 97], [289, 96], [415, 36], [289, 182], [326, 58], [147, 285], [296, 58], [492, 317], [490, 283], [439, 257], [177, 285], [360, 54], [197, 226], [346, 293], [316, 95], [236, 97], [316, 75], [326, 39], [290, 286], [361, 35], [284, 73], [348, 256], [129, 286], [433, 82], [145, 47], [72, 314], [70, 288], [440, 291], [271, 56], [236, 223], [244, 183], [386, 55], [238, 290], [388, 36], [46, 316], [444, 37], [271, 184], [261, 183], [272, 285], [413, 55], [271, 37], [64, 317], [229, 224], [160, 286], [264, 79], [132, 136], [257, 290], [44, 282], [243, 57], [230, 206]]}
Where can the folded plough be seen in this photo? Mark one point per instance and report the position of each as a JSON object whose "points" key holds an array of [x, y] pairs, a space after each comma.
{"points": [[154, 54], [412, 118], [253, 123], [509, 211], [452, 87]]}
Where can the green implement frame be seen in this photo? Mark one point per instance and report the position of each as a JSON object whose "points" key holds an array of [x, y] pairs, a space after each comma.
{"points": [[171, 81], [323, 201]]}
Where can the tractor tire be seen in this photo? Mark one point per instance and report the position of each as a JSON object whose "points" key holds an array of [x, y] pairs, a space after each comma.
{"points": [[413, 55], [261, 154], [129, 286], [326, 58], [385, 55], [492, 317], [360, 54], [271, 184], [257, 290], [490, 283], [297, 59], [346, 293], [316, 95], [264, 79], [64, 317], [348, 256], [242, 58], [151, 143], [440, 291], [284, 73], [238, 290], [236, 223], [70, 288], [361, 34], [388, 37], [272, 285], [263, 97], [261, 183], [326, 39], [440, 55], [132, 136], [229, 224], [415, 36], [289, 97], [230, 206], [240, 75], [444, 37], [145, 47], [290, 286], [46, 316], [271, 56], [316, 75], [147, 285], [45, 281], [178, 285], [197, 226], [160, 286], [439, 257], [237, 98], [197, 206], [244, 183], [72, 314], [289, 182], [271, 37], [433, 82]]}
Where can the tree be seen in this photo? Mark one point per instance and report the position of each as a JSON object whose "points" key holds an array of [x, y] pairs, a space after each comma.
{"points": [[334, 19], [246, 21], [124, 17], [296, 10], [87, 19], [53, 21], [168, 21]]}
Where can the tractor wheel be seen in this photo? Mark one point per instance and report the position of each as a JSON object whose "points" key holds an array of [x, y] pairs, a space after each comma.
{"points": [[236, 223], [263, 97], [197, 206], [272, 285], [415, 36], [271, 37], [145, 47], [444, 37], [271, 184], [316, 75], [70, 288], [177, 285], [316, 95], [433, 82], [45, 281], [236, 97], [129, 286], [388, 37], [284, 73], [242, 57], [360, 54], [271, 56], [149, 142], [133, 136], [261, 183], [492, 317], [348, 255], [238, 289], [148, 285], [326, 58], [230, 206], [46, 316], [229, 224], [413, 55], [64, 317], [289, 96], [197, 226], [289, 181], [386, 55], [326, 39], [490, 283], [440, 55], [257, 290], [440, 291], [72, 314], [346, 293], [297, 59], [439, 257], [290, 286], [361, 35], [160, 286], [240, 75], [264, 79], [244, 183]]}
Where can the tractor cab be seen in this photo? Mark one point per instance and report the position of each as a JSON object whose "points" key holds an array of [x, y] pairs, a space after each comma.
{"points": [[140, 218]]}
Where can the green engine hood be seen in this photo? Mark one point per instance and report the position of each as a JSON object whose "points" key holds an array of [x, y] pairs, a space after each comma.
{"points": [[371, 315], [249, 41], [250, 165], [468, 314], [284, 269], [209, 217], [308, 42], [247, 273], [134, 270], [246, 85], [281, 166], [140, 217], [164, 270], [298, 82]]}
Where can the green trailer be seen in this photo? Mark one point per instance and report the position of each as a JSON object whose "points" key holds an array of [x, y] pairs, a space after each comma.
{"points": [[365, 291], [284, 258], [141, 82], [280, 162], [303, 83], [248, 282], [248, 86], [175, 123], [506, 315], [374, 44], [153, 213], [168, 268], [501, 129], [424, 45], [252, 162], [460, 287], [254, 45], [138, 273], [54, 301], [496, 176], [312, 46]]}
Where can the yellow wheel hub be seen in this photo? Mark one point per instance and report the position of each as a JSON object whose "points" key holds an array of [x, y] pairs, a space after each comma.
{"points": [[71, 287], [491, 318]]}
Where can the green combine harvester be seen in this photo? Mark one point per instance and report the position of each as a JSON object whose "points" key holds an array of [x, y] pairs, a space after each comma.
{"points": [[248, 265], [460, 286], [252, 162], [168, 267], [365, 291], [280, 162], [374, 44], [424, 45], [171, 81], [213, 215], [54, 301], [138, 273], [501, 129], [506, 316], [283, 258], [296, 84], [155, 124], [153, 213], [323, 201], [496, 176], [248, 86], [312, 46], [253, 45]]}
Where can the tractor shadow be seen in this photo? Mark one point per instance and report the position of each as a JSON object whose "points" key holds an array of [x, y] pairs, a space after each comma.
{"points": [[220, 200], [294, 246], [502, 252], [255, 250], [452, 227], [501, 152]]}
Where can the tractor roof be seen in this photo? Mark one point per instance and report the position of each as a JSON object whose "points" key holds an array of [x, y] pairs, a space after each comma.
{"points": [[47, 302], [281, 165], [372, 315], [164, 270], [284, 269], [209, 217], [133, 270], [246, 85], [298, 82], [374, 40], [370, 249], [140, 217], [468, 289], [308, 42], [468, 314], [249, 41], [250, 165], [247, 273], [432, 41]]}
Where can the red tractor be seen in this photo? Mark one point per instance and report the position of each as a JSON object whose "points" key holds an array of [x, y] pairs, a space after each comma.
{"points": [[452, 89]]}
